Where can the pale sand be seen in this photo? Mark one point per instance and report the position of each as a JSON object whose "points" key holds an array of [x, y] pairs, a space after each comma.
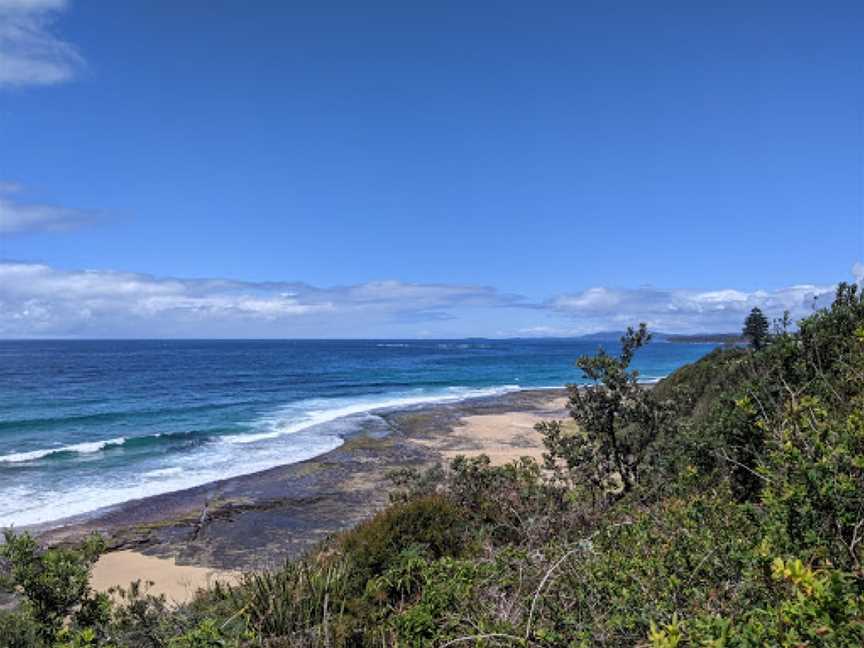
{"points": [[502, 437], [177, 582]]}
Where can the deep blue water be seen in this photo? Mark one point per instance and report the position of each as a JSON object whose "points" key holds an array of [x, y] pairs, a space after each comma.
{"points": [[85, 424]]}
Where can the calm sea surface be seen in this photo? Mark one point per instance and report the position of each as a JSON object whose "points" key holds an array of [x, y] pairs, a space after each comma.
{"points": [[86, 424]]}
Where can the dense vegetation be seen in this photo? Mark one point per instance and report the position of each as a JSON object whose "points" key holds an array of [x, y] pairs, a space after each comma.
{"points": [[723, 508]]}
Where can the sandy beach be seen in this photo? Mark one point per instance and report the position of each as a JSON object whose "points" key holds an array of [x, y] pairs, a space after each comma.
{"points": [[502, 437], [186, 540], [178, 583]]}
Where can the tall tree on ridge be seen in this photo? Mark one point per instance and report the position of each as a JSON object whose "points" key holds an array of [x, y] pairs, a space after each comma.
{"points": [[756, 328]]}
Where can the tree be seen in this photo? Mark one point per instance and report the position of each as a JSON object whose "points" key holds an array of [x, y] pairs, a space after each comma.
{"points": [[756, 328], [617, 420], [55, 582]]}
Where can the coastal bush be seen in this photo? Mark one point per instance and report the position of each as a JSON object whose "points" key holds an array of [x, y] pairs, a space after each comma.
{"points": [[143, 620], [510, 504], [19, 630], [698, 388], [814, 495], [302, 598], [617, 419], [680, 556], [818, 361], [83, 638], [206, 634], [54, 582], [437, 611], [432, 523], [813, 608], [346, 592]]}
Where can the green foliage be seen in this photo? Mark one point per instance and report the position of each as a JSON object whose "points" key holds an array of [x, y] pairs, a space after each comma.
{"points": [[431, 522], [206, 634], [804, 607], [814, 497], [681, 556], [84, 638], [438, 612], [18, 630], [617, 422], [756, 329], [303, 598], [143, 620], [55, 583], [510, 503], [698, 388]]}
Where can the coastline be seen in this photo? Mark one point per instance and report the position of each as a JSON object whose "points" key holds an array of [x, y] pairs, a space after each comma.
{"points": [[314, 428], [258, 520]]}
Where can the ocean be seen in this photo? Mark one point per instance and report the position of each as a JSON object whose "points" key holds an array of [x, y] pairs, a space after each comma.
{"points": [[88, 424]]}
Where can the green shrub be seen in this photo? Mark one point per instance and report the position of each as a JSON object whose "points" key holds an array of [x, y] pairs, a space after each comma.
{"points": [[813, 608], [814, 497], [510, 504], [618, 421], [303, 598], [55, 582], [142, 620], [433, 523], [206, 634], [646, 565], [439, 612], [18, 630]]}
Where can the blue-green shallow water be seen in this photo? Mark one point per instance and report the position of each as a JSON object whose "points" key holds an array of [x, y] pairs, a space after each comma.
{"points": [[86, 424]]}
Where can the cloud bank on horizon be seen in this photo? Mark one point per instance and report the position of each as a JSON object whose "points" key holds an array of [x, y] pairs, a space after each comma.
{"points": [[39, 301], [683, 311]]}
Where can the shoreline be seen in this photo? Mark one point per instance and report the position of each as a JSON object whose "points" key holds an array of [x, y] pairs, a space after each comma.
{"points": [[384, 412], [257, 520], [319, 428]]}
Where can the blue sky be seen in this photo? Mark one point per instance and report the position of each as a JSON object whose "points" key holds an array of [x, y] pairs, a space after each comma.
{"points": [[205, 168]]}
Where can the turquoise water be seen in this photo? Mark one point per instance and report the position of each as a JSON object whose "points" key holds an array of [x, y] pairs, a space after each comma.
{"points": [[87, 424]]}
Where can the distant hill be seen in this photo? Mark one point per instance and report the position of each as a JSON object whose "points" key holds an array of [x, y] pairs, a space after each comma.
{"points": [[602, 336], [696, 338], [718, 338]]}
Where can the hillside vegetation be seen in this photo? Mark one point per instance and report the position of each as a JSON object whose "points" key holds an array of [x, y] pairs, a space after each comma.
{"points": [[725, 507]]}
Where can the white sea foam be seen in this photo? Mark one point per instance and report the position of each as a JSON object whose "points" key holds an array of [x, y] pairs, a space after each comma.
{"points": [[45, 506], [650, 380], [305, 414], [80, 448], [163, 472], [293, 434]]}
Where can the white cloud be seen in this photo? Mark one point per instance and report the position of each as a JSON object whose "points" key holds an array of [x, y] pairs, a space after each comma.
{"points": [[858, 273], [17, 216], [38, 300], [41, 301], [684, 311], [30, 52], [590, 300]]}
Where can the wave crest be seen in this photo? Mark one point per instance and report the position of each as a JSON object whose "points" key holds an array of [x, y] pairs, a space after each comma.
{"points": [[76, 448], [321, 411]]}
